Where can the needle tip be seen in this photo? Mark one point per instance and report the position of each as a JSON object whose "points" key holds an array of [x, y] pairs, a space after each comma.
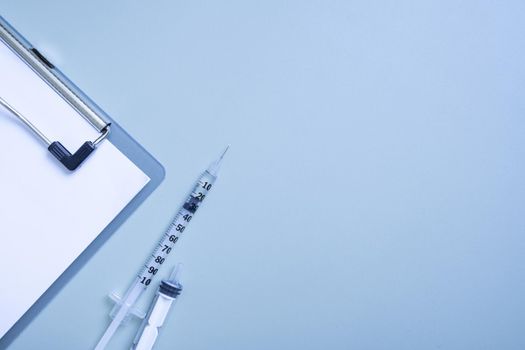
{"points": [[214, 167], [224, 152]]}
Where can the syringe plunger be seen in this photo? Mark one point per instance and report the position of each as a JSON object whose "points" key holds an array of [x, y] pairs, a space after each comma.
{"points": [[149, 331]]}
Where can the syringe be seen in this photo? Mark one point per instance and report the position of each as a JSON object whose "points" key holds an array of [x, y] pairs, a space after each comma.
{"points": [[124, 306], [168, 291]]}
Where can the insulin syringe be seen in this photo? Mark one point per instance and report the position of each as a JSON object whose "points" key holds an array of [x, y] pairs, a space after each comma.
{"points": [[125, 306]]}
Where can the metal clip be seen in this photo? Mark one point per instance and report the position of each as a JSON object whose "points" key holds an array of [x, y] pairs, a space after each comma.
{"points": [[69, 160]]}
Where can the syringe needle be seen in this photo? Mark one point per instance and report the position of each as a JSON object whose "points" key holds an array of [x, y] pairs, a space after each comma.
{"points": [[214, 167], [224, 152]]}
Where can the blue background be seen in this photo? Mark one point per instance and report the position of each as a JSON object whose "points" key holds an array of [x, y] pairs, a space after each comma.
{"points": [[373, 194]]}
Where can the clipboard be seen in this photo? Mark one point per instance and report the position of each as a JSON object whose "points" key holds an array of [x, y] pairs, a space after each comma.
{"points": [[110, 130]]}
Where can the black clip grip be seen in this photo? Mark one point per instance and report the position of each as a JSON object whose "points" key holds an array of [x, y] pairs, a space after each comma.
{"points": [[71, 161]]}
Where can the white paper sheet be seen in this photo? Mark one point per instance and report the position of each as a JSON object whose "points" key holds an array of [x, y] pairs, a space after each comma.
{"points": [[49, 215]]}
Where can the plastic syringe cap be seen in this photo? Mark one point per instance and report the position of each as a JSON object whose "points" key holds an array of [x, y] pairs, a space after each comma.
{"points": [[170, 288]]}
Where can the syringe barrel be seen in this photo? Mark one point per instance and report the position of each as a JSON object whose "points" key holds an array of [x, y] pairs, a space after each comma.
{"points": [[176, 228]]}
